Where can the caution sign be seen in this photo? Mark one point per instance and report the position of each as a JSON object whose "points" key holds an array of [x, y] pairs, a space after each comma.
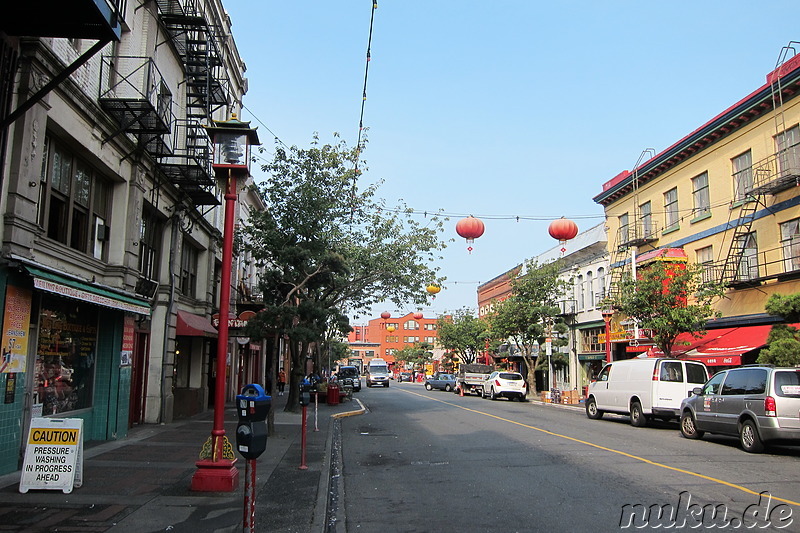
{"points": [[53, 455]]}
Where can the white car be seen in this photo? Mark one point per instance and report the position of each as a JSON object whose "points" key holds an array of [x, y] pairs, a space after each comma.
{"points": [[505, 384]]}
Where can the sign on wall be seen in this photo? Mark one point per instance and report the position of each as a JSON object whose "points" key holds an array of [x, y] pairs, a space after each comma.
{"points": [[53, 455], [16, 324]]}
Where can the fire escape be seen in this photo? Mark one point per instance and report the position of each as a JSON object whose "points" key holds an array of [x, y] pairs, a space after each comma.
{"points": [[631, 237], [768, 177]]}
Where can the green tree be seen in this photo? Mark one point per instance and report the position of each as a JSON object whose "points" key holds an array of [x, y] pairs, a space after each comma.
{"points": [[326, 248], [462, 333], [417, 355], [783, 342], [667, 300], [531, 312]]}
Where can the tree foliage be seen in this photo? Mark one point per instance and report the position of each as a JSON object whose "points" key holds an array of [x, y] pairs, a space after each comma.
{"points": [[417, 355], [462, 333], [326, 248], [531, 312], [783, 341], [668, 299]]}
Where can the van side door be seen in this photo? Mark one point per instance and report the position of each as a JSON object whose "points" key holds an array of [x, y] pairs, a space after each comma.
{"points": [[742, 386], [705, 406], [670, 388]]}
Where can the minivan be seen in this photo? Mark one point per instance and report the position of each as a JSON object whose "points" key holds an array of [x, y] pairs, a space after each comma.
{"points": [[757, 403], [644, 388]]}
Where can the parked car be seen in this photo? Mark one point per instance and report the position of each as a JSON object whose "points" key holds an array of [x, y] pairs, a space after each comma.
{"points": [[440, 381], [644, 388], [403, 376], [350, 372], [759, 403], [505, 385]]}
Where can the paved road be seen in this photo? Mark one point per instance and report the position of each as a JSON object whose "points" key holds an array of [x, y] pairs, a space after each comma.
{"points": [[430, 461]]}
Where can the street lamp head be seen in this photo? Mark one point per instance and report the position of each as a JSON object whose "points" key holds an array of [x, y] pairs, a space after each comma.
{"points": [[607, 314], [231, 140]]}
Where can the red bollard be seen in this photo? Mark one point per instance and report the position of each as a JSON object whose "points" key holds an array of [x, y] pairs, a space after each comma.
{"points": [[303, 442]]}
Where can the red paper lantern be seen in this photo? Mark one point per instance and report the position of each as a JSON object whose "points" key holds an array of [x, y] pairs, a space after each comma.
{"points": [[418, 316], [386, 315], [470, 228], [563, 229]]}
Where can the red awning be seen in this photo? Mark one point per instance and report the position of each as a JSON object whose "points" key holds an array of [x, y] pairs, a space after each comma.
{"points": [[192, 325], [735, 341]]}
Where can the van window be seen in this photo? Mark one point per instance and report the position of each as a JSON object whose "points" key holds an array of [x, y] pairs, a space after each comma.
{"points": [[747, 381], [672, 371], [604, 373], [379, 369], [787, 383], [696, 373], [712, 387]]}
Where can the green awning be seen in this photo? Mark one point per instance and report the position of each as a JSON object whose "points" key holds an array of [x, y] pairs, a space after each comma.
{"points": [[591, 357], [58, 284]]}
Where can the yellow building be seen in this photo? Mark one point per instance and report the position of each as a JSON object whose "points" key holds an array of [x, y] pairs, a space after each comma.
{"points": [[727, 195]]}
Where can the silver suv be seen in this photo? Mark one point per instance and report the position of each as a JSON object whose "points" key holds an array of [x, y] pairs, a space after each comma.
{"points": [[759, 403]]}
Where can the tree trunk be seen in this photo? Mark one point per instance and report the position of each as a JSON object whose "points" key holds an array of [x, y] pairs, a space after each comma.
{"points": [[530, 374]]}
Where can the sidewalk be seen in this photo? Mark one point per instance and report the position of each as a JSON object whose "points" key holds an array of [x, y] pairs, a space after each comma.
{"points": [[140, 484]]}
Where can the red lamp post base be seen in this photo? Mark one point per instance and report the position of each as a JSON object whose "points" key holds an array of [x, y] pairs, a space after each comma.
{"points": [[216, 476]]}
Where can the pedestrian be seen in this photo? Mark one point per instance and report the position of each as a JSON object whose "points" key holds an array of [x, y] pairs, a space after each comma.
{"points": [[281, 382]]}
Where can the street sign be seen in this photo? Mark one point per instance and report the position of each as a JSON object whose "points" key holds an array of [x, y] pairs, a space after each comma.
{"points": [[53, 455]]}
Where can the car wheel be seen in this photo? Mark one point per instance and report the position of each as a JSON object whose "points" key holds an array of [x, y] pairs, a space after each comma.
{"points": [[592, 411], [448, 388], [523, 398], [689, 426], [637, 416], [492, 394], [386, 385], [428, 386], [748, 437]]}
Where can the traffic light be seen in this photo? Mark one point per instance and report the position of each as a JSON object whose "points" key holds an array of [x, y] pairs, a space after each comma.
{"points": [[252, 406]]}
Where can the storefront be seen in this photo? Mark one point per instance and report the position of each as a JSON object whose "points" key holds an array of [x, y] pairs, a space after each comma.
{"points": [[67, 353]]}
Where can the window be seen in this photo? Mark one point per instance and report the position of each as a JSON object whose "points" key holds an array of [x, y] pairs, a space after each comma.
{"points": [[696, 373], [700, 195], [623, 228], [430, 327], [603, 376], [411, 324], [748, 262], [671, 208], [712, 387], [647, 220], [742, 175], [705, 258], [601, 285], [790, 242], [74, 202], [748, 381], [590, 342], [430, 340], [150, 244], [671, 371], [590, 289], [787, 145], [188, 281], [581, 293]]}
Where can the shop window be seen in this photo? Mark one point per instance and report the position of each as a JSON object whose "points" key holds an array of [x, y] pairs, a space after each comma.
{"points": [[589, 340], [65, 356], [74, 203], [188, 282]]}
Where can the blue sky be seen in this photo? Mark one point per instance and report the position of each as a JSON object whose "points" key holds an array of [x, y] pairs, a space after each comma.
{"points": [[501, 108]]}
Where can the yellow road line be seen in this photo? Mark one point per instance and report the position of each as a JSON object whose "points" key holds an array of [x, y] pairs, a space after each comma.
{"points": [[611, 450]]}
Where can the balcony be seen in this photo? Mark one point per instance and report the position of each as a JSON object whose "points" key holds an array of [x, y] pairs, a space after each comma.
{"points": [[776, 173], [637, 234], [78, 19], [134, 92], [188, 167], [753, 267], [567, 307]]}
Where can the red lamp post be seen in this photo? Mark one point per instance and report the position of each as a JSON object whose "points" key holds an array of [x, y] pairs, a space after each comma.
{"points": [[607, 314], [231, 140]]}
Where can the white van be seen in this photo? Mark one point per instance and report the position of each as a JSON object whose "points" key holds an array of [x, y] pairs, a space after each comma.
{"points": [[378, 373], [644, 388]]}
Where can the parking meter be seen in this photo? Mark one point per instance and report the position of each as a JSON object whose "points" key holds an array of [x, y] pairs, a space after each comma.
{"points": [[252, 406], [305, 392]]}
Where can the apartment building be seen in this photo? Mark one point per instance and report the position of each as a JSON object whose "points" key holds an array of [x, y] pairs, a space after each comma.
{"points": [[109, 267], [724, 196], [382, 337]]}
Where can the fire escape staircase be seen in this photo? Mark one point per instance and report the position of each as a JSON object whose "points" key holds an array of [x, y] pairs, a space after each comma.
{"points": [[636, 235]]}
